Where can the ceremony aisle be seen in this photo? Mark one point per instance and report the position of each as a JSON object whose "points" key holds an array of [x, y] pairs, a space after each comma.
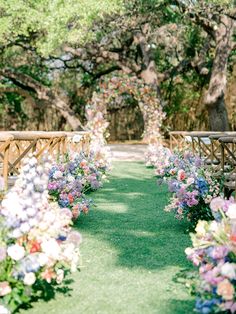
{"points": [[131, 252]]}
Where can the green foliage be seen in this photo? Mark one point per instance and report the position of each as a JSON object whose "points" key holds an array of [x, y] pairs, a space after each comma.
{"points": [[48, 24]]}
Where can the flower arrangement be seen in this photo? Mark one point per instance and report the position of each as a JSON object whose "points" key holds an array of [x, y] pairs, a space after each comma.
{"points": [[214, 252], [71, 179], [191, 184], [37, 244]]}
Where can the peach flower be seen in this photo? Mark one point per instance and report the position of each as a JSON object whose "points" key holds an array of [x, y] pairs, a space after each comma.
{"points": [[225, 289]]}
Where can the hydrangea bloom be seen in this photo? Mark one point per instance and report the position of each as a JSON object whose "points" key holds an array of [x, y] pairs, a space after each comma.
{"points": [[36, 241]]}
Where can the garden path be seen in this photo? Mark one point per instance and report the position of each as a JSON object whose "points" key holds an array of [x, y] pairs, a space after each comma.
{"points": [[131, 251]]}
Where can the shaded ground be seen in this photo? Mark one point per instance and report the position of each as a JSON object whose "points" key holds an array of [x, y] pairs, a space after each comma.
{"points": [[130, 253]]}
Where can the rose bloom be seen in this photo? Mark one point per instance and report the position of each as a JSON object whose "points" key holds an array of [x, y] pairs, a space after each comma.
{"points": [[16, 252], [181, 175], [29, 279], [4, 288], [225, 289], [83, 163], [228, 270]]}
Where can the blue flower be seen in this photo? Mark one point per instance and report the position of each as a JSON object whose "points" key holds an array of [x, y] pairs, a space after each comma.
{"points": [[202, 186]]}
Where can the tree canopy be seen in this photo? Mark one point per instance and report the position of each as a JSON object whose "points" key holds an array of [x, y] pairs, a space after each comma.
{"points": [[53, 53]]}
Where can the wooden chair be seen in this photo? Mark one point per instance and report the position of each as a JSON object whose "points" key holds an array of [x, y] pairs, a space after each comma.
{"points": [[78, 141], [179, 140], [201, 145], [228, 163], [53, 143], [5, 142]]}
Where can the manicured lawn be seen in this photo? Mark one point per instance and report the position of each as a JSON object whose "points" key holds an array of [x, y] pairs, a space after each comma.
{"points": [[130, 253]]}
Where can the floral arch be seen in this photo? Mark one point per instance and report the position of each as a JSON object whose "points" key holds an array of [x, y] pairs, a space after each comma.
{"points": [[112, 90]]}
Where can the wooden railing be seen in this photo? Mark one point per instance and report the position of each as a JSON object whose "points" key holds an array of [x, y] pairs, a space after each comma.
{"points": [[217, 149], [16, 145]]}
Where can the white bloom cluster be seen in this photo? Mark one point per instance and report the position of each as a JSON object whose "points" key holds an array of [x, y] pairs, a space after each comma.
{"points": [[22, 205]]}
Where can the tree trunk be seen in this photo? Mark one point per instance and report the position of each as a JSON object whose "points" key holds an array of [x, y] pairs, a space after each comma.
{"points": [[214, 97], [218, 117], [56, 98], [149, 72], [61, 104]]}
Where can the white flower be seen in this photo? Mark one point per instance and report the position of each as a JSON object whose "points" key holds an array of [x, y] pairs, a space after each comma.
{"points": [[32, 162], [60, 276], [16, 252], [31, 211], [22, 215], [214, 226], [12, 201], [37, 181], [29, 279], [201, 228], [231, 213], [70, 179], [25, 227], [69, 251], [228, 270], [16, 233], [77, 138], [57, 175], [190, 181], [42, 259], [4, 310], [28, 202], [51, 248], [189, 251], [32, 222]]}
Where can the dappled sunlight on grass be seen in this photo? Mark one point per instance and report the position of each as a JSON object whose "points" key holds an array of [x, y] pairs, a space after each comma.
{"points": [[131, 251]]}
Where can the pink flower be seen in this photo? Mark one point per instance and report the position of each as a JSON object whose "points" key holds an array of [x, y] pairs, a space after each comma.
{"points": [[4, 288], [180, 211], [181, 175], [216, 204]]}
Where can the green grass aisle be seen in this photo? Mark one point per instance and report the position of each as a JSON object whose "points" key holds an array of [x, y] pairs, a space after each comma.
{"points": [[131, 252]]}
